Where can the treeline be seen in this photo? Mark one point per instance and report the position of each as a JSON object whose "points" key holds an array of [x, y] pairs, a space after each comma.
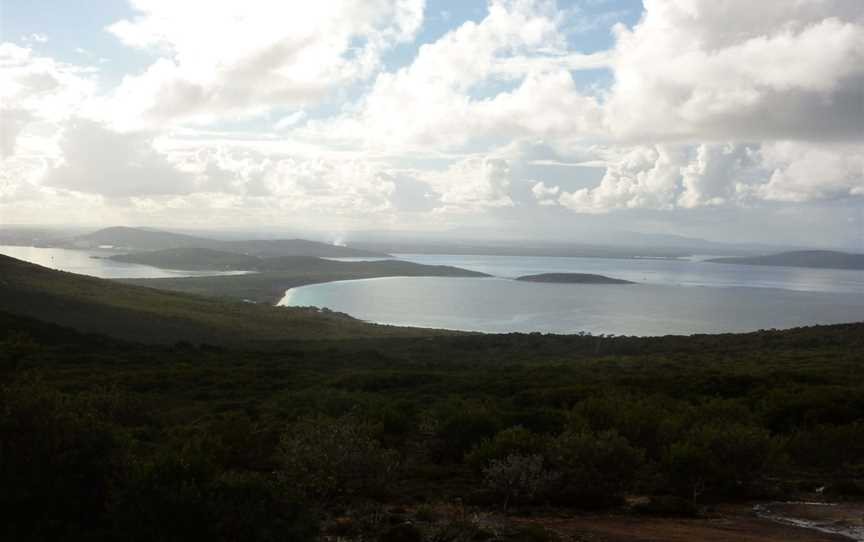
{"points": [[106, 440]]}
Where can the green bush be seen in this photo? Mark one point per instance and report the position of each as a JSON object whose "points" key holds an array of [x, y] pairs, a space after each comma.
{"points": [[521, 479], [724, 458], [511, 441], [326, 458], [828, 446], [456, 426], [56, 462], [645, 421], [172, 499], [595, 465]]}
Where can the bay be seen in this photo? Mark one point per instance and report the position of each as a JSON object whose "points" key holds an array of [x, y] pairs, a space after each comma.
{"points": [[670, 297]]}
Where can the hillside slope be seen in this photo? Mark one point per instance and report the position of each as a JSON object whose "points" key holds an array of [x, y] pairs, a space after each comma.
{"points": [[143, 314]]}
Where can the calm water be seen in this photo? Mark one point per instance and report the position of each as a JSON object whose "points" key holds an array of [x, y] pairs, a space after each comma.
{"points": [[670, 297], [83, 263]]}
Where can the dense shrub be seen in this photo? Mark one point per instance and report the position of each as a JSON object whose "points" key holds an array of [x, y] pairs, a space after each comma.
{"points": [[511, 441], [595, 465], [456, 426], [326, 458], [724, 458], [645, 421], [829, 446], [56, 462], [521, 478], [173, 499]]}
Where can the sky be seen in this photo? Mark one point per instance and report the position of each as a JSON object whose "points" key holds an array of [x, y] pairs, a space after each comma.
{"points": [[731, 120]]}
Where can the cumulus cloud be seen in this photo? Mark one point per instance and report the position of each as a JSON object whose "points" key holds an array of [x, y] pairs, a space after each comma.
{"points": [[98, 160], [545, 195], [707, 70], [47, 88], [36, 88], [473, 184], [702, 103], [644, 176], [245, 57], [801, 172], [717, 173], [441, 99], [668, 176]]}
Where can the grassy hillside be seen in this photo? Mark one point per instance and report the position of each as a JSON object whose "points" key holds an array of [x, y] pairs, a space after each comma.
{"points": [[149, 315], [146, 239], [278, 274], [825, 259]]}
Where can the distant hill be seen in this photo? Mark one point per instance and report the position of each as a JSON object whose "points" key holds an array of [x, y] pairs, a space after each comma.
{"points": [[193, 259], [573, 278], [138, 239], [306, 269], [824, 259], [142, 314]]}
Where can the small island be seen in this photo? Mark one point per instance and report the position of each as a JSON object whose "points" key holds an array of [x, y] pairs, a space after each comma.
{"points": [[573, 278]]}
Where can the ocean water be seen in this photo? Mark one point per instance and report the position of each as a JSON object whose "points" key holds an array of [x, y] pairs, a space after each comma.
{"points": [[94, 263], [670, 297]]}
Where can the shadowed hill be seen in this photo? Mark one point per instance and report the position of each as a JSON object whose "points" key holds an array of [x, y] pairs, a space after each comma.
{"points": [[143, 314], [824, 259], [141, 239]]}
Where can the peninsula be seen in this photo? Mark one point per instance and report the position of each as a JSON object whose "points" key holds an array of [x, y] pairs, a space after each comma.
{"points": [[573, 278], [818, 259]]}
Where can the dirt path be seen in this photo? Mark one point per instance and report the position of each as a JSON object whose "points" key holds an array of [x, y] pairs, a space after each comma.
{"points": [[732, 524]]}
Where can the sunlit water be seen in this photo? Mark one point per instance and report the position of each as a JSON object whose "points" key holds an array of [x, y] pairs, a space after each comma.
{"points": [[94, 263], [671, 296]]}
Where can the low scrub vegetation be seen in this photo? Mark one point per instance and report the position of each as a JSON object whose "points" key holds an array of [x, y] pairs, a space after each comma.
{"points": [[369, 440]]}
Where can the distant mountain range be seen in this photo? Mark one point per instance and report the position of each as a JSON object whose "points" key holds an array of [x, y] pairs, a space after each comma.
{"points": [[824, 259], [139, 239]]}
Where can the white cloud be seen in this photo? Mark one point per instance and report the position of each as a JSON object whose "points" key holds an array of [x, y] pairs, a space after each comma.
{"points": [[705, 70], [40, 88], [97, 160], [801, 172], [471, 185], [545, 195], [669, 176], [644, 176], [442, 99], [244, 57], [713, 103], [12, 122], [717, 173]]}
